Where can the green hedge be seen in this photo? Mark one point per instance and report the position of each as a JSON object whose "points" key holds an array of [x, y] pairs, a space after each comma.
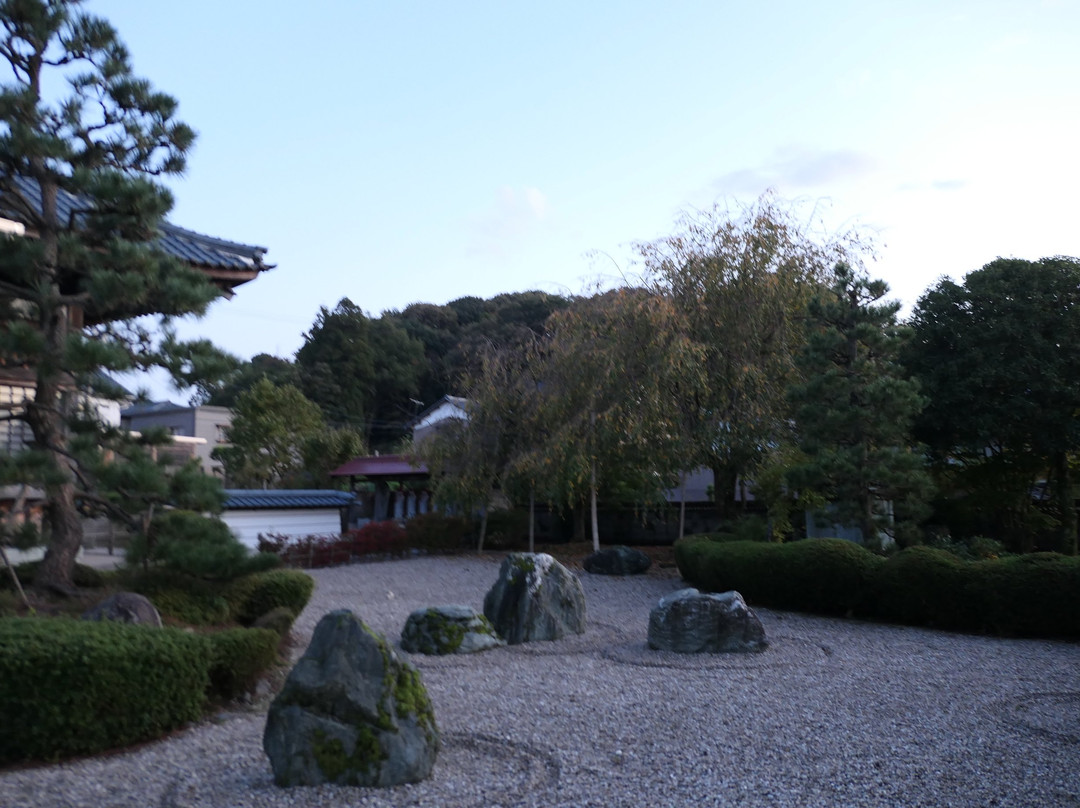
{"points": [[1035, 595], [74, 687], [239, 656], [254, 595]]}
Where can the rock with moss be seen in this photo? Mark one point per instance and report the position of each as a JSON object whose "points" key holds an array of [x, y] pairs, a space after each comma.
{"points": [[350, 713], [125, 607], [621, 560], [448, 630], [693, 622], [535, 598]]}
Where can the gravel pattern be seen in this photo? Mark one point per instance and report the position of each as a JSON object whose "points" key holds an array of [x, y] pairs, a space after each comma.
{"points": [[834, 713]]}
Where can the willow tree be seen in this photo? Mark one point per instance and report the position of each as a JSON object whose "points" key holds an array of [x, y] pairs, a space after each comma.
{"points": [[739, 284], [611, 371], [82, 140]]}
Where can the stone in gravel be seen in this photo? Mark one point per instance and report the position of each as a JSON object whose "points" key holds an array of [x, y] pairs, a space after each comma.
{"points": [[692, 622], [125, 607], [448, 630], [621, 560], [350, 713], [535, 598]]}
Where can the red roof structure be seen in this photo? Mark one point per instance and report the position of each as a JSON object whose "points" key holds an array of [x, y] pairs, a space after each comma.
{"points": [[382, 467]]}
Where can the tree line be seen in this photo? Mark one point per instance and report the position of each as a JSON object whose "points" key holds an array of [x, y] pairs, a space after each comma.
{"points": [[747, 345]]}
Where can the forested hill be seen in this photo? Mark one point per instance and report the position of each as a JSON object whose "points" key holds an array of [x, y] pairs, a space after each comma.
{"points": [[375, 373]]}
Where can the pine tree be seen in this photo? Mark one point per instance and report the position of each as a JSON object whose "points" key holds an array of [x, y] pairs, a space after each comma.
{"points": [[854, 409], [82, 140]]}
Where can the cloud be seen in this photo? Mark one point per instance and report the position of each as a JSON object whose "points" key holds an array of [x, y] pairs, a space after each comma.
{"points": [[514, 216], [797, 168], [948, 185]]}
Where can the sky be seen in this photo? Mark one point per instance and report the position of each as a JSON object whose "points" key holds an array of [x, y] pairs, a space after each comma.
{"points": [[421, 151]]}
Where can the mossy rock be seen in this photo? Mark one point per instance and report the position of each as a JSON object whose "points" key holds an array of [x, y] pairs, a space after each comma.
{"points": [[351, 713], [448, 630]]}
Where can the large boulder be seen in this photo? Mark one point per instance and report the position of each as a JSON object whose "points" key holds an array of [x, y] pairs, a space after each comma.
{"points": [[350, 713], [125, 607], [620, 560], [535, 598], [448, 630], [692, 622]]}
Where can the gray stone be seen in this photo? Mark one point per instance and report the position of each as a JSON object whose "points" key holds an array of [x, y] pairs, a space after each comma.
{"points": [[619, 560], [350, 713], [448, 630], [125, 607], [535, 598], [692, 622]]}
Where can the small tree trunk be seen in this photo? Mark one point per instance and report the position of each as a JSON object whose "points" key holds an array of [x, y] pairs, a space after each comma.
{"points": [[682, 503], [592, 508], [11, 518], [532, 520], [483, 529], [1066, 504], [724, 490]]}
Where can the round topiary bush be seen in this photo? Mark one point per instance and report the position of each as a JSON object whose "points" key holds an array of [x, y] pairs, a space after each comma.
{"points": [[253, 596], [239, 656]]}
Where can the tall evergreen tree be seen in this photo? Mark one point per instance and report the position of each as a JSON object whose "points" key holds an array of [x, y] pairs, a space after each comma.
{"points": [[81, 142], [999, 358], [855, 407]]}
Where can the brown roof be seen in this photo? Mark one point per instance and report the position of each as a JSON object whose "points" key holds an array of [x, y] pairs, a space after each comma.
{"points": [[381, 466]]}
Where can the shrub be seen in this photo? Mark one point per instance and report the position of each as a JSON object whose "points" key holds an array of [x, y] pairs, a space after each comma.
{"points": [[923, 586], [278, 620], [255, 595], [1034, 595], [82, 575], [200, 546], [378, 537], [437, 532], [79, 687], [826, 576], [507, 529], [183, 598], [238, 657]]}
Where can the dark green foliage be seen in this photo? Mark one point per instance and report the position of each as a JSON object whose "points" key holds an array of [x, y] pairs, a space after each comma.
{"points": [[80, 687], [278, 620], [925, 586], [854, 410], [436, 531], [194, 545], [1036, 595], [999, 359], [239, 656], [183, 598], [82, 576], [75, 119], [255, 595]]}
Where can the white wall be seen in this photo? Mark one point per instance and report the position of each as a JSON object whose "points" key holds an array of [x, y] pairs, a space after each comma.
{"points": [[247, 525]]}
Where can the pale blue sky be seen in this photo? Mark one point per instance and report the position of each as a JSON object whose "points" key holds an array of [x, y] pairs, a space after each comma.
{"points": [[396, 152]]}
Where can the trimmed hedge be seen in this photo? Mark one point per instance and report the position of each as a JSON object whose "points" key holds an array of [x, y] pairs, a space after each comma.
{"points": [[253, 596], [1035, 595], [75, 687], [238, 658]]}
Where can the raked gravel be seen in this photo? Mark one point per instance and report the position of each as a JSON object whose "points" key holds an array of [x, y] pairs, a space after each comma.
{"points": [[834, 713]]}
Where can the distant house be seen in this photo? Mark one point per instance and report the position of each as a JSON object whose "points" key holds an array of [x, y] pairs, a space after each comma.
{"points": [[209, 425], [251, 513], [428, 423]]}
